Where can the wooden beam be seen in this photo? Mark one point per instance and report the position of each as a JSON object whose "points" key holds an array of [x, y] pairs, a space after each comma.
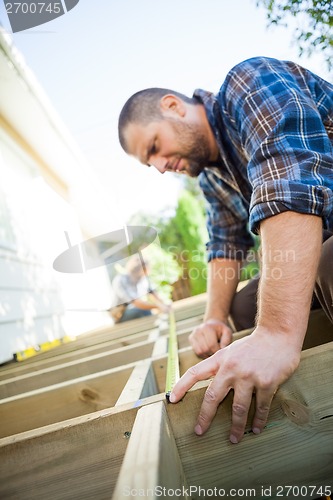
{"points": [[79, 458], [71, 353], [62, 401], [295, 448], [140, 384], [74, 369], [82, 456], [116, 386], [188, 323], [102, 334], [151, 463]]}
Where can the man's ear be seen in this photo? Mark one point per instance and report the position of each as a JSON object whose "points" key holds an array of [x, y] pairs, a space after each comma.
{"points": [[172, 105]]}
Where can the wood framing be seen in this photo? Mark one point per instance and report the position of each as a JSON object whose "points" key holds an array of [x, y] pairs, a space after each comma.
{"points": [[106, 431], [294, 448], [152, 460]]}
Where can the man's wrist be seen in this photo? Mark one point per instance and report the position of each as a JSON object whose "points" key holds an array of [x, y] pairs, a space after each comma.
{"points": [[291, 339], [215, 319]]}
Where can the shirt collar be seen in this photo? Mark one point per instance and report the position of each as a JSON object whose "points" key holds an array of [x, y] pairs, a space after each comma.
{"points": [[208, 99]]}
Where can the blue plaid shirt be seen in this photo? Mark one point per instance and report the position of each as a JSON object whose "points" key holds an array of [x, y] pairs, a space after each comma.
{"points": [[273, 122]]}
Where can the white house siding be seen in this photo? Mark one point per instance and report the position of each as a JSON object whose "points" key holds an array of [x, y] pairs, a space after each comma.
{"points": [[30, 304], [39, 166]]}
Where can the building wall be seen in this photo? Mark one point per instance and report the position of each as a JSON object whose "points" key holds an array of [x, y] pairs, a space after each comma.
{"points": [[30, 303], [43, 175]]}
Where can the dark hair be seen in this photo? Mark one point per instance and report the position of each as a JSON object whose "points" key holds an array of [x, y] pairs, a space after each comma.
{"points": [[143, 107]]}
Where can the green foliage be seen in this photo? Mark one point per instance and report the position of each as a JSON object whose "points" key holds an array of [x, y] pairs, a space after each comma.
{"points": [[163, 270], [251, 267], [182, 236], [315, 23], [191, 185], [185, 237]]}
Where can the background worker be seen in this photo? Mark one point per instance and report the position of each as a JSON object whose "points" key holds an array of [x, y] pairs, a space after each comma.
{"points": [[262, 148], [131, 291]]}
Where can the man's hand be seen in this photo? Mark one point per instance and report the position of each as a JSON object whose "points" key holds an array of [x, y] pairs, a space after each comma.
{"points": [[258, 363], [210, 337], [164, 308]]}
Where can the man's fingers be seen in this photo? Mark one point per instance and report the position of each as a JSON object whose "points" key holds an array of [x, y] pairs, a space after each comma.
{"points": [[201, 371], [226, 337], [204, 341], [199, 346], [240, 409], [214, 394], [263, 403]]}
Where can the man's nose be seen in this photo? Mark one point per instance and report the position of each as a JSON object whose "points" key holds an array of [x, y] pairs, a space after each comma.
{"points": [[159, 162]]}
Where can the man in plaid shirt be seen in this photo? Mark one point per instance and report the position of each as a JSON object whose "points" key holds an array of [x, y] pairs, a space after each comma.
{"points": [[263, 151]]}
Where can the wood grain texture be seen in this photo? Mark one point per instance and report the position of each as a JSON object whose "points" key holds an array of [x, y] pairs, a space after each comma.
{"points": [[75, 448], [151, 462], [295, 448]]}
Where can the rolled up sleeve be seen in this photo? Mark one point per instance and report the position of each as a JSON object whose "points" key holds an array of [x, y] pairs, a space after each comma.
{"points": [[290, 155]]}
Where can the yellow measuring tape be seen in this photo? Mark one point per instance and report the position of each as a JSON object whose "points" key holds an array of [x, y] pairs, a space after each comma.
{"points": [[172, 375]]}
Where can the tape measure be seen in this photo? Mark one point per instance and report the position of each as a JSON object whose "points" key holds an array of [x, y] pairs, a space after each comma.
{"points": [[172, 375]]}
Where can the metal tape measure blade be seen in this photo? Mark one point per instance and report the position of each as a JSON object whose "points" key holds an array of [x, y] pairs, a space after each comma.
{"points": [[172, 376]]}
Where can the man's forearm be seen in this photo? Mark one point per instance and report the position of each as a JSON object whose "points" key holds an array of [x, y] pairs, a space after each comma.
{"points": [[223, 278], [291, 246], [143, 304]]}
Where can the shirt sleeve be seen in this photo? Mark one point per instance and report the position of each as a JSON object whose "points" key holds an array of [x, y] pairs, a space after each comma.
{"points": [[122, 290], [227, 218], [290, 155]]}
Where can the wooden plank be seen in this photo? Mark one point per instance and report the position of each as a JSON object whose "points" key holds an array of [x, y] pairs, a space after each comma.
{"points": [[140, 384], [71, 354], [117, 386], [74, 369], [190, 303], [320, 330], [81, 458], [182, 315], [151, 461], [295, 448], [188, 323], [62, 401], [102, 334], [20, 379]]}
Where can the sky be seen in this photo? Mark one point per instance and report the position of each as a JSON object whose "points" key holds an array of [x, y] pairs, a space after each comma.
{"points": [[92, 59]]}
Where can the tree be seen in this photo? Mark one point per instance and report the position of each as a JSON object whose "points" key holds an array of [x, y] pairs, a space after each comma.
{"points": [[314, 30], [185, 238], [182, 235]]}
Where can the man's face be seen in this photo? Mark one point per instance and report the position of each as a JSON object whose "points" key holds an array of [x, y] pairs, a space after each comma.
{"points": [[169, 145]]}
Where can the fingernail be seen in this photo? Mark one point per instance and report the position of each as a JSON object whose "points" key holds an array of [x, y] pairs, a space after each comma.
{"points": [[172, 398], [256, 430], [233, 439], [198, 429]]}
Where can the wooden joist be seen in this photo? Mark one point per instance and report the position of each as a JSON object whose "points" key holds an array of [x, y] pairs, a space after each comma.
{"points": [[152, 460], [295, 448], [102, 430], [79, 396]]}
